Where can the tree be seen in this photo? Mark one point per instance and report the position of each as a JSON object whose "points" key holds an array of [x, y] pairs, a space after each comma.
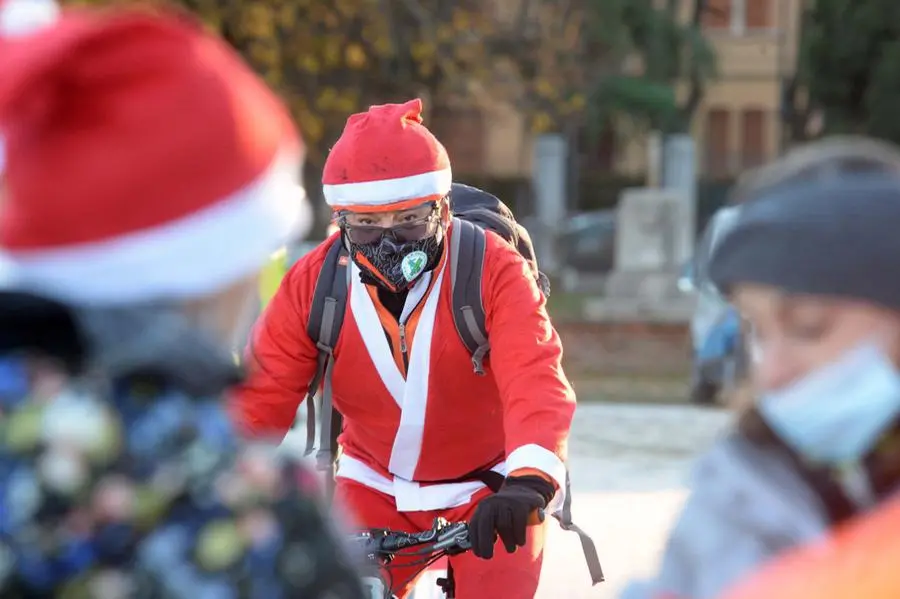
{"points": [[796, 111], [849, 66], [560, 61], [331, 58], [674, 51], [575, 62]]}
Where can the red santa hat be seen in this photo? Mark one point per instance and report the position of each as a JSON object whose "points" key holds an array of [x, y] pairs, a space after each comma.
{"points": [[22, 17], [386, 160], [144, 161]]}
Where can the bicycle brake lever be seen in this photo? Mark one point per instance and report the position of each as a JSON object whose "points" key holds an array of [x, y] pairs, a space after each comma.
{"points": [[454, 536]]}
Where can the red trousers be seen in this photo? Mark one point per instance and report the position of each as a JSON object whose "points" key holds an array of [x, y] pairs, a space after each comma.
{"points": [[506, 575]]}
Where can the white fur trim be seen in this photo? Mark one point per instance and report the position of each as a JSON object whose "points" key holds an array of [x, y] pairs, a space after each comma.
{"points": [[389, 191], [22, 17], [407, 447], [411, 496], [192, 257], [372, 333], [411, 393], [539, 458]]}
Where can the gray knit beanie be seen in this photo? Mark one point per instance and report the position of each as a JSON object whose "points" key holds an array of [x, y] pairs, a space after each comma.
{"points": [[837, 237]]}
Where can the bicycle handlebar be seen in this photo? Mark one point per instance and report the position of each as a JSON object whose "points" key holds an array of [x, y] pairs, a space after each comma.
{"points": [[443, 536], [447, 537], [381, 546]]}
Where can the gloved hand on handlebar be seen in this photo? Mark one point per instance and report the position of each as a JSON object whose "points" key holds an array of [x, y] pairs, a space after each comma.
{"points": [[507, 514]]}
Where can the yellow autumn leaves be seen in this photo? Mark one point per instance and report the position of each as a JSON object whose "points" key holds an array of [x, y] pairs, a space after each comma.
{"points": [[331, 58]]}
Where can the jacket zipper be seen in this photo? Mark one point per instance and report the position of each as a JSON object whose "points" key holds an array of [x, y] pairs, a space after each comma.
{"points": [[403, 347]]}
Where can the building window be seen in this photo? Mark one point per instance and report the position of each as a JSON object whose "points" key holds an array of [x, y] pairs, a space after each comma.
{"points": [[758, 14], [717, 14], [717, 145], [739, 16], [753, 138]]}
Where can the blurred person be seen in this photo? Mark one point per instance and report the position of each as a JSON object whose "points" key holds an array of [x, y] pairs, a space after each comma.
{"points": [[719, 359], [809, 263], [149, 176], [423, 434]]}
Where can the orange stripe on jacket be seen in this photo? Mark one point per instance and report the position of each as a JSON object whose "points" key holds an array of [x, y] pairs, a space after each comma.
{"points": [[392, 327]]}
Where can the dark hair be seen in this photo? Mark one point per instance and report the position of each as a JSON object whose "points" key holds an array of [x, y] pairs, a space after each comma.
{"points": [[818, 161]]}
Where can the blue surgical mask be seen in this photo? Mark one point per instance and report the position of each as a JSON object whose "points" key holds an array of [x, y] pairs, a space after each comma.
{"points": [[838, 413]]}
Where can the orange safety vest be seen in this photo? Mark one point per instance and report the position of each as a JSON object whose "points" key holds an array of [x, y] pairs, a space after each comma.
{"points": [[858, 560]]}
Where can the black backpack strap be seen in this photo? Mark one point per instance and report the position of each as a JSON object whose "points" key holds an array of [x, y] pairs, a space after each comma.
{"points": [[564, 517], [326, 316], [467, 248]]}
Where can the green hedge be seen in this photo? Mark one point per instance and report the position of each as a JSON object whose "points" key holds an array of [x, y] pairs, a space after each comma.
{"points": [[509, 190], [711, 195], [597, 191], [601, 191]]}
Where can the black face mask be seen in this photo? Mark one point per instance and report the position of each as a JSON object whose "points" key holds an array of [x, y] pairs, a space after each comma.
{"points": [[396, 265]]}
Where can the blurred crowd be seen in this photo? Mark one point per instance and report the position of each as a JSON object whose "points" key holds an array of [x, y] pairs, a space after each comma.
{"points": [[121, 473]]}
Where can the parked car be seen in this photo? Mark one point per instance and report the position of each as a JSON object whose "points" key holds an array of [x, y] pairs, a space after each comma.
{"points": [[587, 241], [720, 358]]}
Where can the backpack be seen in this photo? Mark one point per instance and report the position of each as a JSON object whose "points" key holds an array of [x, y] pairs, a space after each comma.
{"points": [[474, 211]]}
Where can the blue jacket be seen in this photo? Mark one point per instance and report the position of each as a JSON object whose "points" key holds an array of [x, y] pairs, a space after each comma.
{"points": [[722, 339]]}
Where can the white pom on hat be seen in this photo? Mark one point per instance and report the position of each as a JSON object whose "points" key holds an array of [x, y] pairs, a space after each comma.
{"points": [[22, 17], [386, 159], [144, 160]]}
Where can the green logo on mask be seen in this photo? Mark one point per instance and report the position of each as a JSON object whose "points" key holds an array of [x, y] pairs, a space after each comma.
{"points": [[413, 264]]}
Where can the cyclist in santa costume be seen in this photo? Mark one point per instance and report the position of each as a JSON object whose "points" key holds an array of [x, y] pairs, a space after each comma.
{"points": [[420, 428]]}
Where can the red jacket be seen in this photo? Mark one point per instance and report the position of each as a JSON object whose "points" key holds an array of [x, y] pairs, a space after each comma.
{"points": [[439, 421]]}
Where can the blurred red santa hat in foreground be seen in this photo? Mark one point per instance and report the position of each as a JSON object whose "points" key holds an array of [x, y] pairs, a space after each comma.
{"points": [[22, 17], [144, 161]]}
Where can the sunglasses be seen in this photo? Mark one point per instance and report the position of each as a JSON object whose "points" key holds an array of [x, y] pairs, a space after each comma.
{"points": [[409, 231]]}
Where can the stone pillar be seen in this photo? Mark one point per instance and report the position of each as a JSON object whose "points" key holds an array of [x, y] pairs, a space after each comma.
{"points": [[653, 242], [549, 177], [654, 159], [679, 173]]}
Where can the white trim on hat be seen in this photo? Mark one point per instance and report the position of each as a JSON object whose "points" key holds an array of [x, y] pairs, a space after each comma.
{"points": [[23, 17], [191, 257], [389, 191]]}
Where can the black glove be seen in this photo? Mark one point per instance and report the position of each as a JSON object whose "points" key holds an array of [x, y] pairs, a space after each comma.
{"points": [[506, 514]]}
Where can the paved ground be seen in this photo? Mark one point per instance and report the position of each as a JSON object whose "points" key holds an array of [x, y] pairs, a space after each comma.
{"points": [[629, 466]]}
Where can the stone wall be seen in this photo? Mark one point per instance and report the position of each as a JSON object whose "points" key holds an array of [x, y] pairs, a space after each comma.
{"points": [[626, 349]]}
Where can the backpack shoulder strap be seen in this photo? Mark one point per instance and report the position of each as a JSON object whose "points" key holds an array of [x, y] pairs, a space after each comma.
{"points": [[326, 316], [467, 249]]}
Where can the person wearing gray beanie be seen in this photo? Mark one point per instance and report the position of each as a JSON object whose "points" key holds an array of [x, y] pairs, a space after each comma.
{"points": [[810, 261]]}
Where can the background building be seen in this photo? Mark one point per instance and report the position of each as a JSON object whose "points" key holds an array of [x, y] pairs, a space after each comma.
{"points": [[736, 126]]}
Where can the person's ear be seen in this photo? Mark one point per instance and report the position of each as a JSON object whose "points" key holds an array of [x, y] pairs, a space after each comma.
{"points": [[445, 211]]}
